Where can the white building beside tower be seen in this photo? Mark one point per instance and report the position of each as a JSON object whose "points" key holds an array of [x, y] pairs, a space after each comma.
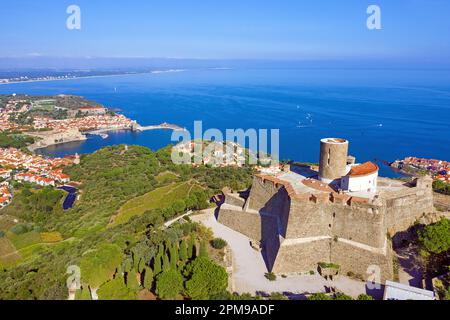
{"points": [[362, 177]]}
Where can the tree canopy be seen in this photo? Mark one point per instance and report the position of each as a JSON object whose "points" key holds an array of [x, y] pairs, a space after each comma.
{"points": [[169, 284], [435, 238], [207, 279]]}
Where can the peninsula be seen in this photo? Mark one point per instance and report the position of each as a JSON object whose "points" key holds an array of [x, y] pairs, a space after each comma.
{"points": [[53, 120]]}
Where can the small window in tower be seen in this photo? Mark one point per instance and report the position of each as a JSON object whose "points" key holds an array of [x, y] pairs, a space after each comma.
{"points": [[329, 155]]}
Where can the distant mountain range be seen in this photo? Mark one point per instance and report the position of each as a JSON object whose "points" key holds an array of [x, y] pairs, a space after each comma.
{"points": [[89, 64]]}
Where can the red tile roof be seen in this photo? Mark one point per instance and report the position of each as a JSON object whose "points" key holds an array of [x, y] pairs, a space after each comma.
{"points": [[364, 169]]}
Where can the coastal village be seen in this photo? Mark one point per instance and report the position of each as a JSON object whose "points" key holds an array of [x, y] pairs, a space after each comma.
{"points": [[213, 153], [19, 166], [438, 169], [25, 166], [83, 118]]}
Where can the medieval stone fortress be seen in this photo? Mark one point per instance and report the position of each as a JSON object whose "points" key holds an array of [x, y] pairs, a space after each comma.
{"points": [[343, 213]]}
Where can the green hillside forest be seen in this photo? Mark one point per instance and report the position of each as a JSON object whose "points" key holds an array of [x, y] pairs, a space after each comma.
{"points": [[115, 232]]}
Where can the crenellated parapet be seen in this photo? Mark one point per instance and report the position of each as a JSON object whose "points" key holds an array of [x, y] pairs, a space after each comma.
{"points": [[320, 194]]}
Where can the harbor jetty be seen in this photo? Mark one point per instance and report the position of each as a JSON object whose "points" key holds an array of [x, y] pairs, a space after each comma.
{"points": [[162, 126]]}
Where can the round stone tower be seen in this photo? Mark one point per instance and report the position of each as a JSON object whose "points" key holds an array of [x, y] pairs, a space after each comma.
{"points": [[333, 159]]}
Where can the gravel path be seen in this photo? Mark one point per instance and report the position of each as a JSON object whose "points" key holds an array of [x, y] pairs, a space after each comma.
{"points": [[249, 268]]}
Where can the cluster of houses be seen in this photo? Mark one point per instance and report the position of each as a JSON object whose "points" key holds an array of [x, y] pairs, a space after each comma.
{"points": [[33, 168], [5, 194], [12, 107], [213, 153], [52, 178], [93, 118], [19, 166], [438, 168], [91, 122]]}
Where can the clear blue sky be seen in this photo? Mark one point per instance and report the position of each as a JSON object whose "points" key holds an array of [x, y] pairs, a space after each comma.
{"points": [[282, 29]]}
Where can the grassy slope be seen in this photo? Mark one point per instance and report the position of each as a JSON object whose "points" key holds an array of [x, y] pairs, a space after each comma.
{"points": [[158, 198], [8, 253]]}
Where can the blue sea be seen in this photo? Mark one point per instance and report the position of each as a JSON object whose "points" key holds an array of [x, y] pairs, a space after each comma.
{"points": [[386, 114]]}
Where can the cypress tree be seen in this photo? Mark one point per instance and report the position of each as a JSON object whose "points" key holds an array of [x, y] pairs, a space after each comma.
{"points": [[191, 249], [166, 263], [148, 279], [132, 281], [157, 265], [168, 246], [203, 251], [161, 250], [128, 265], [174, 256], [141, 265], [183, 251]]}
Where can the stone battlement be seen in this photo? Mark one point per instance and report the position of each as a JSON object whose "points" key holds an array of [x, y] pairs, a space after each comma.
{"points": [[325, 195], [301, 223]]}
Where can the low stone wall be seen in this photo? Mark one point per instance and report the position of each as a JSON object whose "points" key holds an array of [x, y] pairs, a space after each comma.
{"points": [[405, 208], [235, 200], [357, 260], [305, 257], [249, 224], [359, 222], [302, 257]]}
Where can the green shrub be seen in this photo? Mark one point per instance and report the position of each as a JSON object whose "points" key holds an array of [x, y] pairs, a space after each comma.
{"points": [[326, 265], [435, 238], [342, 296], [219, 243], [365, 297], [270, 276], [169, 284], [319, 296], [278, 296], [207, 279], [2, 234], [20, 229]]}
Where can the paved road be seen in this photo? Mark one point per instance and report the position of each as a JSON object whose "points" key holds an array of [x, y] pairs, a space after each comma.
{"points": [[249, 268], [171, 222], [409, 272]]}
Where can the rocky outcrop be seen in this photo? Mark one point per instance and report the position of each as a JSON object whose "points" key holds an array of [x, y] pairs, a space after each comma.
{"points": [[49, 138]]}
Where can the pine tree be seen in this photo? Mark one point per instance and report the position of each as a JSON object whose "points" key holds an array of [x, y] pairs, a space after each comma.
{"points": [[148, 279], [157, 265], [183, 251]]}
